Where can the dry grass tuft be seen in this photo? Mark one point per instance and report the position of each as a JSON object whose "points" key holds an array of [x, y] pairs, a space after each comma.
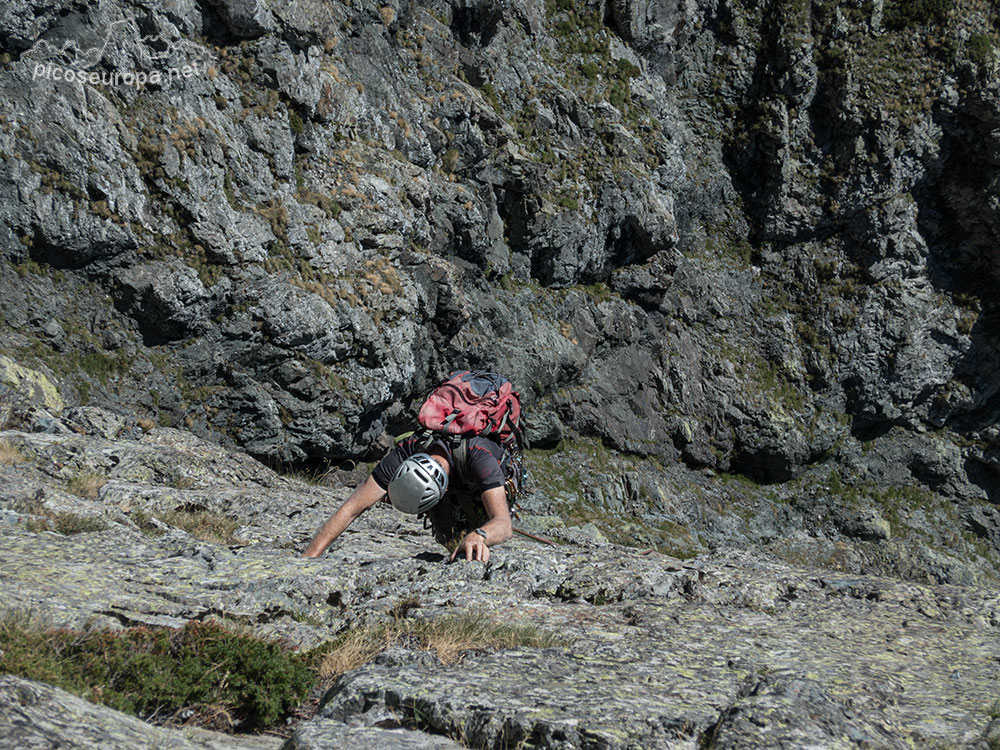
{"points": [[351, 651], [203, 524], [450, 637], [87, 484], [9, 454], [66, 524]]}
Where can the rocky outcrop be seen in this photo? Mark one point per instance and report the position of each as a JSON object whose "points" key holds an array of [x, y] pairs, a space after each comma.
{"points": [[723, 650], [37, 715], [737, 256], [713, 232]]}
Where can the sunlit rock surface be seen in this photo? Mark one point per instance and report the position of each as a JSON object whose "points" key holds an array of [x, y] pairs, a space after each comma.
{"points": [[728, 648], [739, 258]]}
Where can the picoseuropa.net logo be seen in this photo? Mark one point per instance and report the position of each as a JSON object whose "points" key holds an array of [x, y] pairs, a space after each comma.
{"points": [[162, 61]]}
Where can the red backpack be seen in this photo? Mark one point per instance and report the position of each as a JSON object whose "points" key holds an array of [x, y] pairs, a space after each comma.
{"points": [[474, 402], [477, 403]]}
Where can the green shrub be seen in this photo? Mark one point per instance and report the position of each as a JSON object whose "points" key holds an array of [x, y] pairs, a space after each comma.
{"points": [[625, 69], [980, 49], [160, 673], [901, 14]]}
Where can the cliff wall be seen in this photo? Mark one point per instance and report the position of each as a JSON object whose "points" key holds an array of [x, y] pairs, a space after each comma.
{"points": [[737, 255]]}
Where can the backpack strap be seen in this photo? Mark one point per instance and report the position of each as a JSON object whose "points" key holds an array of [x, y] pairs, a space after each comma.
{"points": [[460, 454], [518, 435], [425, 436], [503, 422]]}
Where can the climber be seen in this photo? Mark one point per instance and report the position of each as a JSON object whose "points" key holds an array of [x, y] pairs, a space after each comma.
{"points": [[416, 476]]}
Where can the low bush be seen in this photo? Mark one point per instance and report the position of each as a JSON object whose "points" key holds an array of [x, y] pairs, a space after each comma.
{"points": [[207, 675], [202, 673], [901, 14], [980, 50]]}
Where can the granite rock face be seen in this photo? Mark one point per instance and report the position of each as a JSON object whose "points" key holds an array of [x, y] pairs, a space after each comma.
{"points": [[728, 649], [37, 715], [719, 232], [738, 256]]}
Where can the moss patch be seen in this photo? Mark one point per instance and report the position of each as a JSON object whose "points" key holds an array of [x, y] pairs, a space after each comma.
{"points": [[32, 384], [564, 475]]}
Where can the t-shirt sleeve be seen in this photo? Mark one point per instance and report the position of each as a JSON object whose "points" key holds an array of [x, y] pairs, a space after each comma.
{"points": [[385, 469], [484, 469]]}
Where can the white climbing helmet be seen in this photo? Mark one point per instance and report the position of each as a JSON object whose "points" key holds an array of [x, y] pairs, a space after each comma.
{"points": [[418, 484]]}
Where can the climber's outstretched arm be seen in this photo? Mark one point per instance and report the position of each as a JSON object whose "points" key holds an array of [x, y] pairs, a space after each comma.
{"points": [[360, 500]]}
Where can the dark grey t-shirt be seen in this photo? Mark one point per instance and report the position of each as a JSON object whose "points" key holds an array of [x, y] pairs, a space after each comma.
{"points": [[484, 471]]}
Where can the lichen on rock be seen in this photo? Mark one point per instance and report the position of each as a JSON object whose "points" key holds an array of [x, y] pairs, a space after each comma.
{"points": [[724, 648]]}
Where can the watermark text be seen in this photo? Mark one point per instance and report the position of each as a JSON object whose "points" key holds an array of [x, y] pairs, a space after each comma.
{"points": [[139, 79]]}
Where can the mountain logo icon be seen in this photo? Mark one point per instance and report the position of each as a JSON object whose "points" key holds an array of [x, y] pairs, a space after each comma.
{"points": [[155, 50], [70, 53], [158, 59]]}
